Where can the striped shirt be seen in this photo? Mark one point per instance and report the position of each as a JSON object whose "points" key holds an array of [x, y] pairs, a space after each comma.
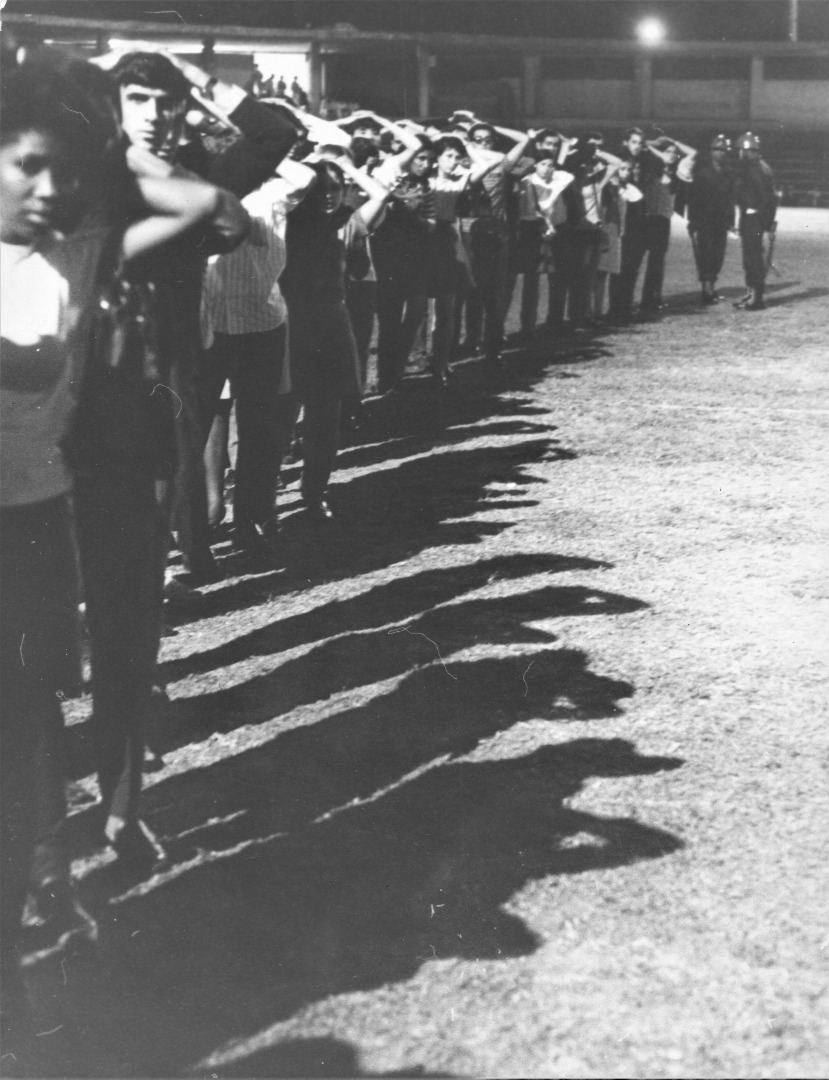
{"points": [[241, 293]]}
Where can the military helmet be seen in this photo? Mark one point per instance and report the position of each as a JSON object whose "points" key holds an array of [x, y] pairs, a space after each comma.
{"points": [[748, 141], [720, 142]]}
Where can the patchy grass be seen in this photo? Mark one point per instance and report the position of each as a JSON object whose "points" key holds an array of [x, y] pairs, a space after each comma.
{"points": [[521, 769]]}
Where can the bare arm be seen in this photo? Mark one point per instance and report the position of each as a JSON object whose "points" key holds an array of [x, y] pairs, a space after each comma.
{"points": [[610, 159], [377, 193], [661, 154], [522, 140], [175, 205], [483, 162], [298, 176]]}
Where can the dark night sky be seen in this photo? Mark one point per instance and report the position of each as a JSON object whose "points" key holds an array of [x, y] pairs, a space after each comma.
{"points": [[700, 20]]}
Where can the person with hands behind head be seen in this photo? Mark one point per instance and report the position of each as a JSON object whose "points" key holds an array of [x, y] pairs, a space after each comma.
{"points": [[449, 261], [244, 325], [320, 233], [669, 162], [129, 508], [710, 212], [59, 161], [486, 233]]}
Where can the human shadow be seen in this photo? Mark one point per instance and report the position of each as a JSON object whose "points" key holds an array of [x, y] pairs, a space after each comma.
{"points": [[384, 516], [361, 456], [390, 602], [203, 963], [364, 658], [796, 298], [313, 1057], [435, 709]]}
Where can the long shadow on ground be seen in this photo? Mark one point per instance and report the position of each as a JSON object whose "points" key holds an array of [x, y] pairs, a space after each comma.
{"points": [[362, 658], [235, 940], [389, 515], [401, 509], [336, 852]]}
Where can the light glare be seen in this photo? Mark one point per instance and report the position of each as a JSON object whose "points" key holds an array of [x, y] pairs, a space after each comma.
{"points": [[651, 31]]}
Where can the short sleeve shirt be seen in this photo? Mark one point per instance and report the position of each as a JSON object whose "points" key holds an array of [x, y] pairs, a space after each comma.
{"points": [[447, 191], [45, 290], [241, 292]]}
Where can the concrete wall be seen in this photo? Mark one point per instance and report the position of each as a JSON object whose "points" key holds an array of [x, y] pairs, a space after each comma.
{"points": [[614, 99], [693, 99], [796, 104]]}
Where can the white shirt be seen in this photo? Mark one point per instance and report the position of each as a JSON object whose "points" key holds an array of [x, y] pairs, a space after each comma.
{"points": [[241, 293], [447, 191], [39, 308], [538, 197]]}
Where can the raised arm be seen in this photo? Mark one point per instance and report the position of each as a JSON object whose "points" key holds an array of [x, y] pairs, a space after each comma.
{"points": [[377, 193], [390, 170], [609, 159], [297, 176], [266, 135], [522, 141], [175, 205], [483, 161], [322, 132]]}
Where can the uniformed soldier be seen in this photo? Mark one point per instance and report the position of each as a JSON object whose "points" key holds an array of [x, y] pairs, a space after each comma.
{"points": [[757, 203], [710, 198]]}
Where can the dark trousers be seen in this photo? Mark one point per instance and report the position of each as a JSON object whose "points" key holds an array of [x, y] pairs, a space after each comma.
{"points": [[657, 238], [253, 363], [529, 299], [709, 247], [574, 256], [123, 538], [320, 440], [754, 257], [186, 502], [38, 662], [623, 284], [396, 331], [361, 302], [486, 304]]}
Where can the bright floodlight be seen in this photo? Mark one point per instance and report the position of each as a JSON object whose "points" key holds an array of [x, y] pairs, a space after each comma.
{"points": [[651, 31]]}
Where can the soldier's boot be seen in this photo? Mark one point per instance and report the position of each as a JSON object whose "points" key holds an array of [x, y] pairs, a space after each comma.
{"points": [[708, 296], [744, 301], [756, 303]]}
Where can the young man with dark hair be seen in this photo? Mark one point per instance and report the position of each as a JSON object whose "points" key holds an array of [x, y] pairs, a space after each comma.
{"points": [[710, 203], [123, 504], [634, 239], [486, 234]]}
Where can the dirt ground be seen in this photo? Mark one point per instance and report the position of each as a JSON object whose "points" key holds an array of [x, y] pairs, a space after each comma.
{"points": [[521, 770]]}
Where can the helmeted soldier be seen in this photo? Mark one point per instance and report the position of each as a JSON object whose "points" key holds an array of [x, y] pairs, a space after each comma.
{"points": [[757, 202], [710, 197]]}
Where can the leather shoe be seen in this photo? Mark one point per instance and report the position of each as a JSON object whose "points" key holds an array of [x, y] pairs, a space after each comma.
{"points": [[53, 921], [138, 849], [252, 538], [319, 511]]}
